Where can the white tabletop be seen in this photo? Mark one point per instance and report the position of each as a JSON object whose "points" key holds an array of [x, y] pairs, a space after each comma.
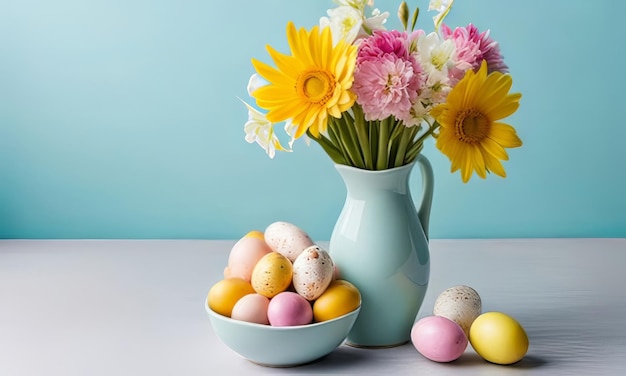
{"points": [[137, 308]]}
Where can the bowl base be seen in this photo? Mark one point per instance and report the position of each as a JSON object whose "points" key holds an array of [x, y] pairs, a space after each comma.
{"points": [[285, 365], [374, 347]]}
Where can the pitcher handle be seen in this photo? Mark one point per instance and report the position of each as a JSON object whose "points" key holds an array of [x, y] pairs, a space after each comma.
{"points": [[428, 182]]}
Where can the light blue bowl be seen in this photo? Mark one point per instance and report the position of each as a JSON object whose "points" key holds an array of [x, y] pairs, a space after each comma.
{"points": [[287, 346]]}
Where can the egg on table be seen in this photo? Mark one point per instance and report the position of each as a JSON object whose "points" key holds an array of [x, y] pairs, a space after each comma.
{"points": [[461, 304], [439, 339], [313, 270], [498, 338]]}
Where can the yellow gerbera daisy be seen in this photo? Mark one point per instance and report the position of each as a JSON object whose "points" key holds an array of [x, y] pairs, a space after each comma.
{"points": [[311, 83], [470, 133]]}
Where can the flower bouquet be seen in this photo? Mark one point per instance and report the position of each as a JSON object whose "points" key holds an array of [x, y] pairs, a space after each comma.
{"points": [[370, 97]]}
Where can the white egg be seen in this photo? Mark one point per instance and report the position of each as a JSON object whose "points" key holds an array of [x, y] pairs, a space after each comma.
{"points": [[460, 304], [313, 271], [287, 239]]}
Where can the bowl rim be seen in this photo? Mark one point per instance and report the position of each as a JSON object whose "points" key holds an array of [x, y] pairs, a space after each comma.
{"points": [[278, 328]]}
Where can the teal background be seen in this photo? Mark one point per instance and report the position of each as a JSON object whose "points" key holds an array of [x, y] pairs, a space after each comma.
{"points": [[120, 119]]}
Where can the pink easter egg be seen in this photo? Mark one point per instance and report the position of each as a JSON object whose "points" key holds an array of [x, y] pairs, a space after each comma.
{"points": [[439, 339], [289, 309]]}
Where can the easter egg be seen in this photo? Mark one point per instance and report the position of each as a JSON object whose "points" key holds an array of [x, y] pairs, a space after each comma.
{"points": [[272, 274], [289, 309], [287, 239], [339, 298], [439, 339], [498, 338], [460, 304], [312, 272], [244, 255], [251, 308], [224, 294]]}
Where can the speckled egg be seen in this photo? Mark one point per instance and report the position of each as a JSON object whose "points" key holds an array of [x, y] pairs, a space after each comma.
{"points": [[313, 271], [460, 304], [272, 274], [287, 239]]}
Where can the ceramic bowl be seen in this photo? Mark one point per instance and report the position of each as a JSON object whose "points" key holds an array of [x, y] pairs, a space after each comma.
{"points": [[286, 346]]}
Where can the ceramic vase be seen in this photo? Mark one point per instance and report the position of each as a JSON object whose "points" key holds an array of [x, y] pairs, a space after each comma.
{"points": [[380, 244]]}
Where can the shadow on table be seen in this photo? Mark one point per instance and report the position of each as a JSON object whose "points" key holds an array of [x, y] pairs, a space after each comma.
{"points": [[470, 359]]}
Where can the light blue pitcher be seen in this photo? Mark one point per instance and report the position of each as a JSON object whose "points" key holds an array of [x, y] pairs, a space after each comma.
{"points": [[380, 244]]}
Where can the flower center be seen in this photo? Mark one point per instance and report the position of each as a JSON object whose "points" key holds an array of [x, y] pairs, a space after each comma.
{"points": [[472, 126], [439, 59], [347, 25], [315, 86]]}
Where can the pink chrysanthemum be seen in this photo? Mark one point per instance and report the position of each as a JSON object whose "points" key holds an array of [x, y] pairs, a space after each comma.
{"points": [[472, 47], [383, 43], [387, 77]]}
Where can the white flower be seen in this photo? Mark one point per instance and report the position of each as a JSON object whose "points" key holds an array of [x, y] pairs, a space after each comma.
{"points": [[345, 23], [437, 57], [348, 21], [255, 82], [291, 129], [376, 21], [442, 7], [435, 54], [356, 4], [260, 130]]}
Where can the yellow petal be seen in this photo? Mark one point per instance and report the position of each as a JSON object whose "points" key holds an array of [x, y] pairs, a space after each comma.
{"points": [[494, 149], [494, 165], [504, 135]]}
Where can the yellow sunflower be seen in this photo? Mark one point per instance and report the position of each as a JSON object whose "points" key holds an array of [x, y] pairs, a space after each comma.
{"points": [[470, 132], [311, 83]]}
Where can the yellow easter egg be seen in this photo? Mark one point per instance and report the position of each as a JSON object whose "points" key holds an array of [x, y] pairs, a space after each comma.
{"points": [[272, 274], [498, 338], [255, 234], [339, 298], [224, 294]]}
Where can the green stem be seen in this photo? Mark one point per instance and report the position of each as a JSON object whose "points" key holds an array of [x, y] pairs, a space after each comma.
{"points": [[352, 138], [383, 144], [373, 131], [396, 130], [336, 139], [415, 146], [432, 128], [330, 149], [362, 134], [413, 152], [402, 146]]}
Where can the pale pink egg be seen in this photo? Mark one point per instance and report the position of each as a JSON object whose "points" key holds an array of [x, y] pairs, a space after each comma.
{"points": [[243, 257], [289, 309], [439, 339], [251, 308]]}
